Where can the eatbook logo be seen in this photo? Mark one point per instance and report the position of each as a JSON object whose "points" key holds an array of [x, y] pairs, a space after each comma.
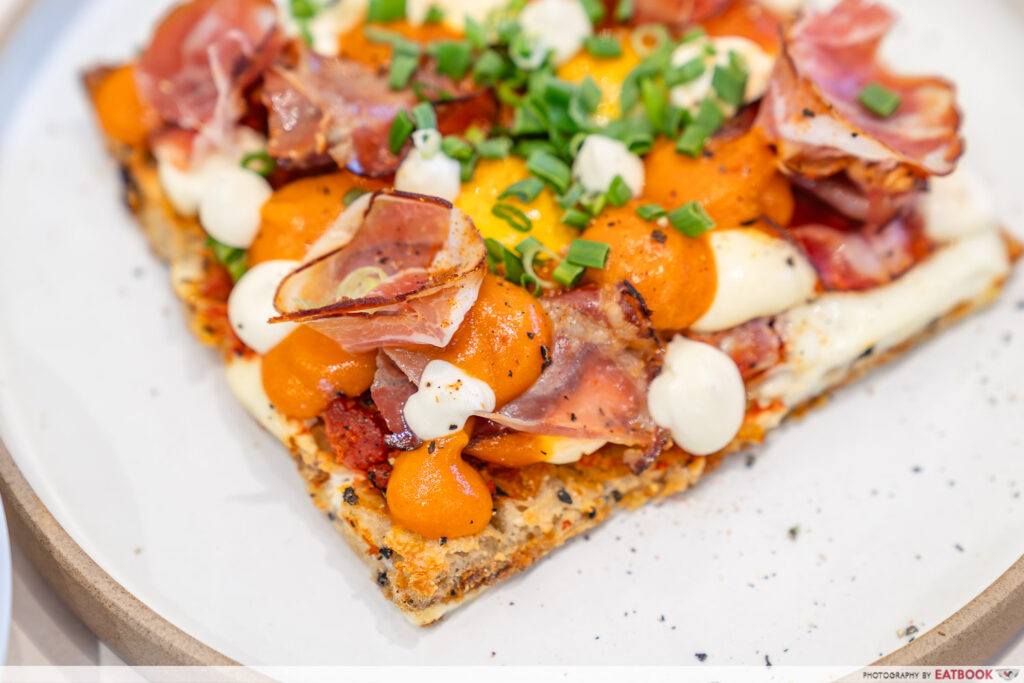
{"points": [[1007, 674]]}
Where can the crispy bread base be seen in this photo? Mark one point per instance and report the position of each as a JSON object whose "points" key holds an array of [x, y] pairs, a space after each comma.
{"points": [[537, 508]]}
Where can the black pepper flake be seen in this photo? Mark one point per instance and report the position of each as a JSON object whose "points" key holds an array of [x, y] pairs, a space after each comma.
{"points": [[330, 516], [382, 578], [572, 417], [385, 552], [564, 496], [911, 630], [592, 513], [748, 223], [701, 656], [509, 373], [443, 540], [431, 447], [791, 262], [808, 113], [767, 661], [545, 355], [959, 548], [794, 531], [617, 495], [452, 428], [852, 135], [530, 335], [498, 491], [658, 236], [349, 496]]}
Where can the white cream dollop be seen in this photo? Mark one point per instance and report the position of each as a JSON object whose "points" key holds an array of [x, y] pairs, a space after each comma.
{"points": [[699, 396], [446, 398], [759, 64], [601, 158], [229, 208], [227, 197], [430, 172], [757, 275], [559, 26], [251, 305]]}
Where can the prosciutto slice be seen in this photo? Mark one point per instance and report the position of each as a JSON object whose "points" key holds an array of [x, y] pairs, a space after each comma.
{"points": [[603, 357], [394, 269], [201, 58], [390, 390], [754, 346], [677, 12], [863, 257], [325, 105], [812, 112]]}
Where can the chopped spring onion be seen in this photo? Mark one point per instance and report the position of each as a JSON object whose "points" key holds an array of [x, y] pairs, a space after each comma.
{"points": [[495, 253], [691, 142], [435, 15], [423, 116], [383, 11], [526, 53], [594, 9], [475, 34], [730, 82], [649, 38], [570, 197], [568, 274], [489, 68], [709, 116], [684, 73], [639, 142], [495, 148], [525, 190], [691, 219], [624, 10], [650, 212], [403, 66], [401, 129], [558, 92], [259, 162], [529, 249], [550, 169], [235, 261], [456, 148], [693, 34], [655, 102], [603, 47], [352, 195], [453, 57], [619, 192], [427, 141], [303, 9], [594, 203], [576, 218], [880, 101], [513, 216], [588, 253], [467, 168]]}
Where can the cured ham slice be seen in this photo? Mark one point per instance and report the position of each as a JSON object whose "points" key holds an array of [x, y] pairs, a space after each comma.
{"points": [[390, 390], [325, 105], [754, 346], [677, 12], [813, 114], [394, 269], [865, 257], [201, 58], [603, 357]]}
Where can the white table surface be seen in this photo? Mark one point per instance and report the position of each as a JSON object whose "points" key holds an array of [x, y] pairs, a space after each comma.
{"points": [[45, 632]]}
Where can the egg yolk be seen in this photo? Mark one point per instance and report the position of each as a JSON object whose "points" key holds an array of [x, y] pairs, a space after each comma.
{"points": [[480, 195], [123, 115], [729, 179], [675, 274], [303, 373], [297, 214], [501, 340], [607, 72], [435, 493]]}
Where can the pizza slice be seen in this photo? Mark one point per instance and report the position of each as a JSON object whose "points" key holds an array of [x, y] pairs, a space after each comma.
{"points": [[493, 271]]}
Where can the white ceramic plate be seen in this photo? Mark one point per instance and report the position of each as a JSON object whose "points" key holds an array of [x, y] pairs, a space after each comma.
{"points": [[906, 488]]}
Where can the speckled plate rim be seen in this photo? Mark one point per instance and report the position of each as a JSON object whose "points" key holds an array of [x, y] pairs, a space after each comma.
{"points": [[972, 635]]}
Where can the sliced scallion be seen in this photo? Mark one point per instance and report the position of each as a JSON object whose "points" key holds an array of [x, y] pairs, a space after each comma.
{"points": [[603, 47], [352, 195], [624, 11], [618, 192], [525, 190], [259, 162], [576, 218], [650, 212], [423, 116], [567, 274], [384, 11], [453, 57], [879, 100], [401, 129], [550, 169], [513, 216], [588, 253], [456, 148], [691, 219]]}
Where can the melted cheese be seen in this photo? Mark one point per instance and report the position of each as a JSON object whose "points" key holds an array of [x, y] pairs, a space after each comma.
{"points": [[251, 305], [823, 338], [956, 206], [757, 274], [562, 450], [446, 398], [699, 396]]}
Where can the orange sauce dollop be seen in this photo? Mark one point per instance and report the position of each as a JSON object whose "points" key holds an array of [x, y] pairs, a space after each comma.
{"points": [[303, 373], [434, 492], [122, 113], [736, 180], [675, 274], [356, 45], [500, 340]]}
